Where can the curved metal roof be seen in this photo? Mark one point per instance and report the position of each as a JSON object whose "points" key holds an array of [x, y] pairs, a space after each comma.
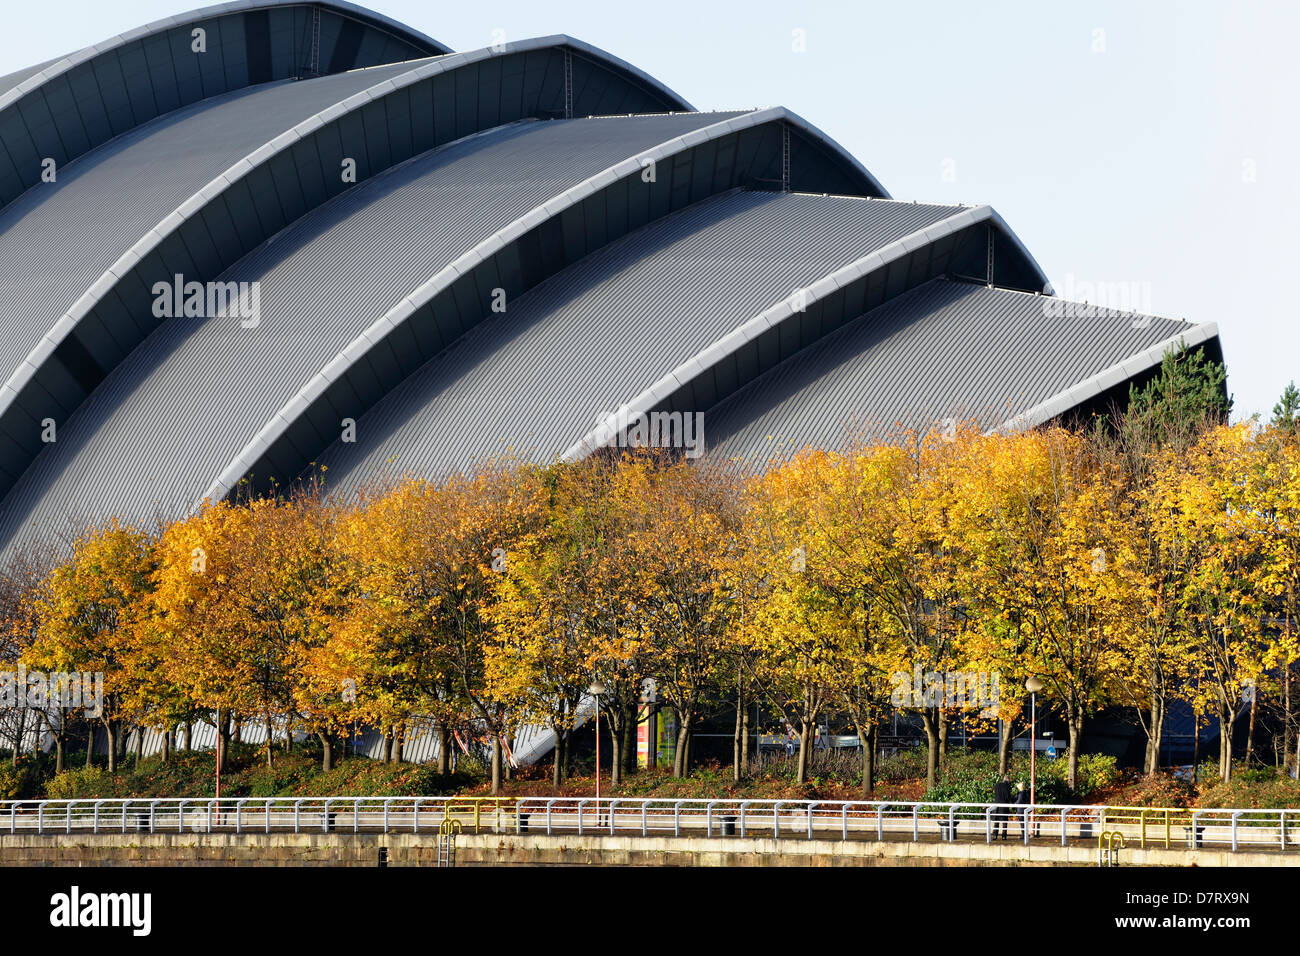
{"points": [[647, 264], [378, 118], [82, 100], [749, 150], [946, 351], [533, 381], [112, 456], [970, 233]]}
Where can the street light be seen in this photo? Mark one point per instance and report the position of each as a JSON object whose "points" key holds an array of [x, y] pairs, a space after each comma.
{"points": [[595, 690], [1033, 685]]}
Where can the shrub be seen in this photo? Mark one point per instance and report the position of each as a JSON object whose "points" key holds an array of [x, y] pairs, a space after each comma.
{"points": [[82, 782]]}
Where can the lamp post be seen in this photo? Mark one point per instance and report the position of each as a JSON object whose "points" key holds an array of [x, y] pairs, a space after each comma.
{"points": [[1033, 685], [595, 690]]}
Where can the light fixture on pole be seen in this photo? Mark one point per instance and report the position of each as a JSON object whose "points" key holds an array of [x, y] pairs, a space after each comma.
{"points": [[1033, 685], [595, 690]]}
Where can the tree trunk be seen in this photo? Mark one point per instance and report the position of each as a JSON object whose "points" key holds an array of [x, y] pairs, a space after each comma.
{"points": [[327, 752], [1004, 746], [1155, 735], [399, 742], [189, 735], [737, 739], [930, 718], [139, 745], [745, 731], [496, 766], [59, 745], [18, 737], [1225, 743], [867, 740], [805, 733], [90, 746], [943, 739], [1075, 723], [1250, 727], [112, 745], [557, 764], [223, 739], [388, 745], [444, 749], [680, 758], [167, 743]]}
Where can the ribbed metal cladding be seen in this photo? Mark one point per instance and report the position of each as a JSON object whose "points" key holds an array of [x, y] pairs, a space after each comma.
{"points": [[532, 381], [59, 238], [100, 92], [945, 351], [169, 417]]}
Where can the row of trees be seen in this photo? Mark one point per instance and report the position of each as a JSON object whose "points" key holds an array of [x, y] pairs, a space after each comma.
{"points": [[1138, 565]]}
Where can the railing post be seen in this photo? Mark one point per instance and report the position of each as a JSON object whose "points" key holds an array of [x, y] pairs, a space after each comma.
{"points": [[581, 804], [386, 804], [239, 816], [209, 816], [1195, 836], [180, 817], [415, 817], [40, 821], [153, 804], [952, 823], [809, 808], [677, 818], [549, 803], [266, 814], [776, 820], [612, 805], [325, 819], [297, 806], [743, 804], [708, 819], [1235, 814], [1281, 825], [1063, 811], [916, 822], [644, 804], [94, 823], [844, 821], [880, 821], [988, 825]]}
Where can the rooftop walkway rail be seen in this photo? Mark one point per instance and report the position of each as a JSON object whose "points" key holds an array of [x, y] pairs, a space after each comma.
{"points": [[615, 816]]}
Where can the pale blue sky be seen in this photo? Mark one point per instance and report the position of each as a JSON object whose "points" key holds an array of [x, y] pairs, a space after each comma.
{"points": [[1152, 144]]}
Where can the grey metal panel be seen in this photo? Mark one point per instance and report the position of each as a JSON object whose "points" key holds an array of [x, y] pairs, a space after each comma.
{"points": [[256, 197], [150, 70], [153, 435], [58, 239], [944, 351], [532, 381], [548, 238]]}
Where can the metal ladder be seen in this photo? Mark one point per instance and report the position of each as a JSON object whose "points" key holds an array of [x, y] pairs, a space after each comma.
{"points": [[447, 831]]}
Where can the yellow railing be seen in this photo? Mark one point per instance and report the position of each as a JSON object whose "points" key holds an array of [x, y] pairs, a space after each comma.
{"points": [[499, 809], [1159, 821]]}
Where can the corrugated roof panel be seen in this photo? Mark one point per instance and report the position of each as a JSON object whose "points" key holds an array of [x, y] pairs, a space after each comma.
{"points": [[536, 379], [58, 238], [946, 350], [182, 405]]}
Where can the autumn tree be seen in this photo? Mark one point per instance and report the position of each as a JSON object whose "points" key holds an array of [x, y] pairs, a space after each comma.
{"points": [[86, 616]]}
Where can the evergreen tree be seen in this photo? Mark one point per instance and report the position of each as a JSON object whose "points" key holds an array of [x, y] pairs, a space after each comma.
{"points": [[1187, 395], [1286, 413]]}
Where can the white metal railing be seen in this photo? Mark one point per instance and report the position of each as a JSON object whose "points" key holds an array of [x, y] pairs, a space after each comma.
{"points": [[1234, 829]]}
